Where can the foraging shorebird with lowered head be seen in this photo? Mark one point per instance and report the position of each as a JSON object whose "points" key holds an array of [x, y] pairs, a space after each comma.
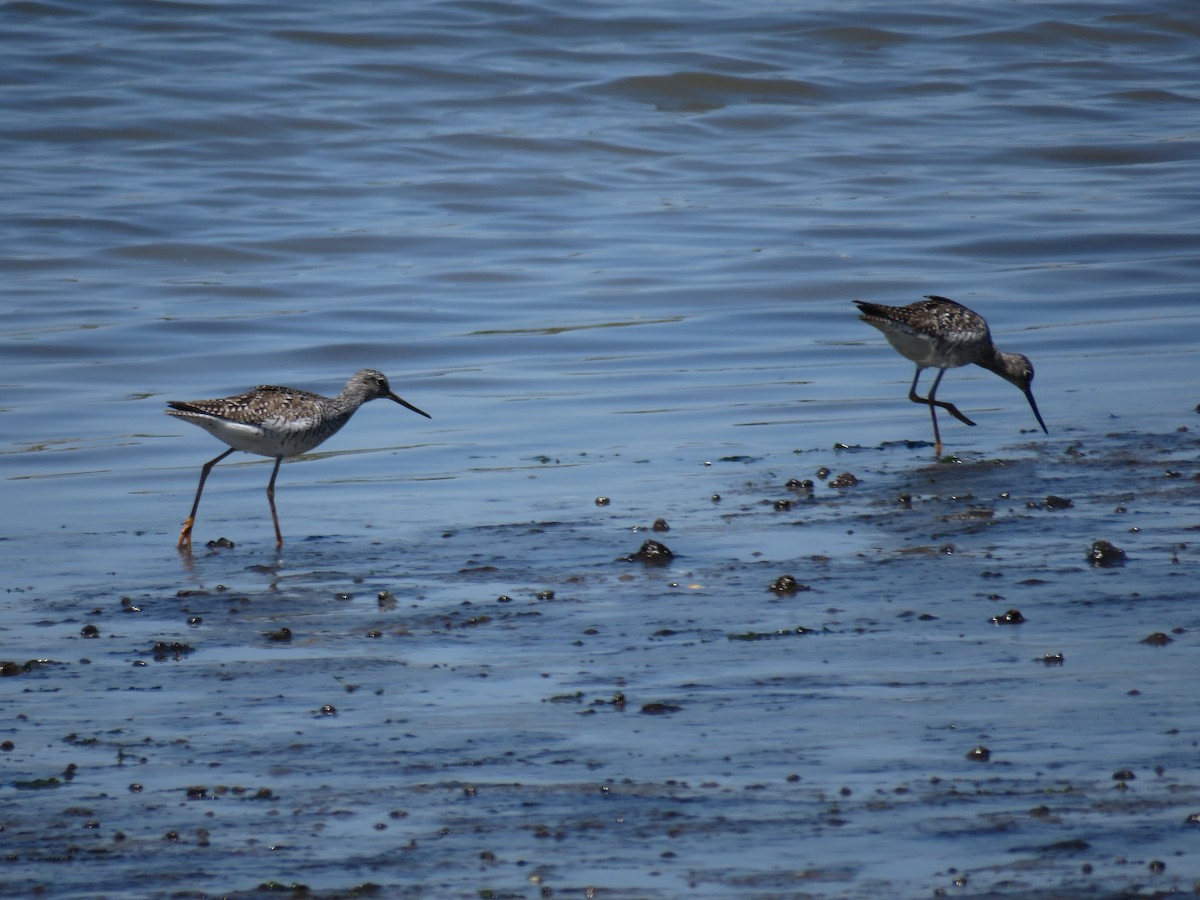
{"points": [[937, 333]]}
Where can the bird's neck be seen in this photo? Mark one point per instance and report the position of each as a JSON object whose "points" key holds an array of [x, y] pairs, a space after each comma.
{"points": [[351, 398], [1006, 365]]}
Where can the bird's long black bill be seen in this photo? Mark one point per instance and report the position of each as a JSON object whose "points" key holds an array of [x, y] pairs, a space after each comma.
{"points": [[422, 412], [1033, 406]]}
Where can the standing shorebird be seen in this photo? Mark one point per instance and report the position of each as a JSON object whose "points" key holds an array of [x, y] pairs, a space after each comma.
{"points": [[279, 422], [937, 333]]}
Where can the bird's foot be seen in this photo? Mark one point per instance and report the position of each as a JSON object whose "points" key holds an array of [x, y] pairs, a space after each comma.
{"points": [[953, 410]]}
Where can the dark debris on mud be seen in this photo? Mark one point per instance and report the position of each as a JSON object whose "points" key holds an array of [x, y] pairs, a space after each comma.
{"points": [[516, 709]]}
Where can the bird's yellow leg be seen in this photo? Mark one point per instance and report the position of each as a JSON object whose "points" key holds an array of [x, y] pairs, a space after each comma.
{"points": [[185, 533]]}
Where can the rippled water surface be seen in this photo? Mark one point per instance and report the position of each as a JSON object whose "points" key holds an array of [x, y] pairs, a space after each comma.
{"points": [[612, 249]]}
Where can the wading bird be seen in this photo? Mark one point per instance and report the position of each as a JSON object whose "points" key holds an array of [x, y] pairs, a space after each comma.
{"points": [[279, 422], [936, 333]]}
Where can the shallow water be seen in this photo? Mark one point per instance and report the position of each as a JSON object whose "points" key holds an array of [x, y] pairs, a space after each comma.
{"points": [[611, 249]]}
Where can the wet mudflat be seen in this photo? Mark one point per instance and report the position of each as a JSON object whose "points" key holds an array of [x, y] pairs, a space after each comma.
{"points": [[613, 250], [951, 693]]}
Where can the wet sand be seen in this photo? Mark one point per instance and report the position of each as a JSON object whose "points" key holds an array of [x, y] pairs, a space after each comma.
{"points": [[613, 249], [950, 694]]}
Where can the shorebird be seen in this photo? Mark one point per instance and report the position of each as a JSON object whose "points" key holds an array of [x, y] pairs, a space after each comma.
{"points": [[279, 422], [936, 333]]}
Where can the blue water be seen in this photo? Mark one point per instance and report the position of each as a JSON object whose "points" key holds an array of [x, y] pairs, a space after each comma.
{"points": [[607, 246]]}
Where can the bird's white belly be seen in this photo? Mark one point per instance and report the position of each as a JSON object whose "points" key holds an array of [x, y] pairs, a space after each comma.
{"points": [[927, 352], [261, 440]]}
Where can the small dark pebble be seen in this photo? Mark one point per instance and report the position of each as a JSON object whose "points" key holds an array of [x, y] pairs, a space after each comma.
{"points": [[545, 595], [905, 500], [221, 543], [782, 505], [715, 498], [1012, 617], [1124, 775], [295, 888], [164, 650], [846, 479], [328, 710], [1053, 502], [1193, 819], [282, 636], [90, 631], [1158, 639], [979, 754], [660, 525], [769, 635], [804, 485], [1071, 845], [1105, 554], [823, 473], [787, 584], [652, 553], [660, 709], [1052, 659], [1157, 865], [602, 501], [386, 600], [195, 620]]}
